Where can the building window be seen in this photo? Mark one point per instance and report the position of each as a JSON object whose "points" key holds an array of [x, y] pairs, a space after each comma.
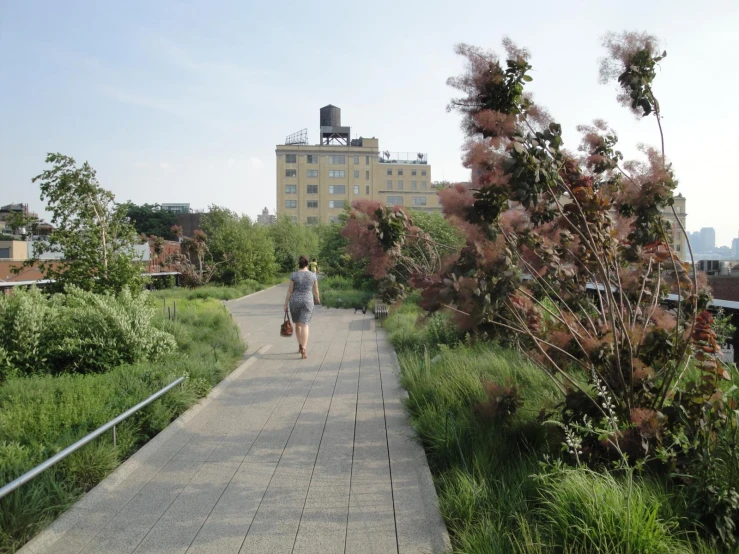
{"points": [[414, 185], [311, 159], [333, 219], [400, 172], [356, 174], [294, 218], [678, 248], [389, 184], [337, 173], [312, 203], [366, 175], [400, 185], [334, 204], [389, 171], [291, 173], [312, 220], [423, 185], [366, 189], [337, 160], [312, 189], [423, 172], [356, 189], [356, 160], [337, 189], [291, 189], [419, 200], [291, 203], [312, 173], [413, 172], [394, 200], [366, 160], [291, 158]]}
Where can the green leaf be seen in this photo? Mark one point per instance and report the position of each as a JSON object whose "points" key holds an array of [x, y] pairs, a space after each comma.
{"points": [[528, 78]]}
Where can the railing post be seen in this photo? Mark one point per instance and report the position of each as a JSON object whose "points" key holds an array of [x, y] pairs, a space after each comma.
{"points": [[115, 443]]}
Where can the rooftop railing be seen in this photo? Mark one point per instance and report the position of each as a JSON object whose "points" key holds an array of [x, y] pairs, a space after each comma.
{"points": [[387, 157]]}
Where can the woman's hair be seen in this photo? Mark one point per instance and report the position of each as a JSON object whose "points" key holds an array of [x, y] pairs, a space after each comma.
{"points": [[302, 262]]}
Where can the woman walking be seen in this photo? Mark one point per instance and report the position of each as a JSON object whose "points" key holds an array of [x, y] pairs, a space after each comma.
{"points": [[301, 293]]}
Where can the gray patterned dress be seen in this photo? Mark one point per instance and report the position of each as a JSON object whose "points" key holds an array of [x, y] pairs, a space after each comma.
{"points": [[301, 300]]}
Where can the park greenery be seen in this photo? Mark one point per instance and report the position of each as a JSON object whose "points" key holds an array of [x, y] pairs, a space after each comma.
{"points": [[563, 407], [92, 232], [150, 219], [574, 412], [72, 361]]}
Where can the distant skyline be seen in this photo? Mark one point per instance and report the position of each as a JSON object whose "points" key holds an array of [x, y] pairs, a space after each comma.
{"points": [[186, 101]]}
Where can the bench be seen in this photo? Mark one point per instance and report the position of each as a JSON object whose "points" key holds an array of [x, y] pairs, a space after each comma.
{"points": [[380, 310]]}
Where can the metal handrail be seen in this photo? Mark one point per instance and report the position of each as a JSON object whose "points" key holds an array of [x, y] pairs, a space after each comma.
{"points": [[23, 479]]}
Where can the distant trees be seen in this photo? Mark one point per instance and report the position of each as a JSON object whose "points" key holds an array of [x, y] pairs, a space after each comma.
{"points": [[291, 240], [150, 219], [240, 248], [91, 231]]}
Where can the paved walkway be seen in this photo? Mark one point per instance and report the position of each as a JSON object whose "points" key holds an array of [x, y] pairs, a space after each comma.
{"points": [[286, 455]]}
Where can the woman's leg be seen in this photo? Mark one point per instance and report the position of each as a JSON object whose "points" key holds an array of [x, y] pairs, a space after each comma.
{"points": [[299, 333], [306, 329]]}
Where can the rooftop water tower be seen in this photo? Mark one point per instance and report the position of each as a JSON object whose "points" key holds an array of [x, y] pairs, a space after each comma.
{"points": [[331, 130]]}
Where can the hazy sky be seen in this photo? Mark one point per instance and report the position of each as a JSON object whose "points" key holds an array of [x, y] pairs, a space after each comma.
{"points": [[185, 101]]}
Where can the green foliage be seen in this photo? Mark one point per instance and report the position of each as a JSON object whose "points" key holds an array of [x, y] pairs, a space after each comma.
{"points": [[77, 332], [219, 292], [150, 219], [6, 237], [334, 259], [41, 414], [91, 230], [439, 229], [240, 248], [292, 240], [493, 493], [584, 511], [339, 292]]}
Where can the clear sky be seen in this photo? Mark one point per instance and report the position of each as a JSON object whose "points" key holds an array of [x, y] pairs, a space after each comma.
{"points": [[185, 101]]}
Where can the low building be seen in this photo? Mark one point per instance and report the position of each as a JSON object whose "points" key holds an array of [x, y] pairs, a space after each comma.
{"points": [[8, 212], [14, 250]]}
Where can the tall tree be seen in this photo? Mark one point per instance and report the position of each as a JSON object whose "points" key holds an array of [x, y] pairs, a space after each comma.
{"points": [[291, 240], [244, 246], [92, 234], [150, 219]]}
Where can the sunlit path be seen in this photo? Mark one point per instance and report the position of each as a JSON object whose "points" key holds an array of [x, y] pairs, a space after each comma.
{"points": [[286, 455]]}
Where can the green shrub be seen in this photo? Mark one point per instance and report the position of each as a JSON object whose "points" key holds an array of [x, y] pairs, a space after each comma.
{"points": [[485, 469], [219, 292], [583, 511], [77, 332], [42, 414]]}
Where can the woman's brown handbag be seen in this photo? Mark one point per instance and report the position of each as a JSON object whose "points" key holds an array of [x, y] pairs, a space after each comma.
{"points": [[286, 329]]}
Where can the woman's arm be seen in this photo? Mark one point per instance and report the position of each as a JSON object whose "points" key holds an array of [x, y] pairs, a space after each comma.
{"points": [[316, 294], [289, 292]]}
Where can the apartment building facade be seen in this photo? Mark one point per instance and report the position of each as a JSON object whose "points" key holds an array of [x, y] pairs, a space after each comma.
{"points": [[315, 181]]}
